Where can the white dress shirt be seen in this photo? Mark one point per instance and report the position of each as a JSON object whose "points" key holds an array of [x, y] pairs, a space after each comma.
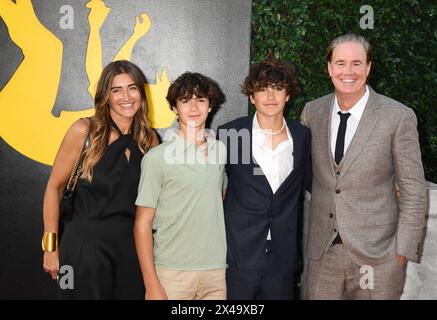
{"points": [[352, 123], [276, 164]]}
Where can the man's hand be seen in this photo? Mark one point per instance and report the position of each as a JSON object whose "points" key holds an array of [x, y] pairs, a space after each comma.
{"points": [[156, 292]]}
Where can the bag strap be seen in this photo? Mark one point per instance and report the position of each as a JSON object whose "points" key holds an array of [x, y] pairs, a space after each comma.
{"points": [[78, 165]]}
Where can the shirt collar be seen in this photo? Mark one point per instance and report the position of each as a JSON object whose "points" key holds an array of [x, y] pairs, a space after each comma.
{"points": [[173, 135], [258, 136], [357, 110]]}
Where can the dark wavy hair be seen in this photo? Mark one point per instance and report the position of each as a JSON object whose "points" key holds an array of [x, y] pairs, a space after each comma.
{"points": [[192, 83], [278, 74], [100, 126]]}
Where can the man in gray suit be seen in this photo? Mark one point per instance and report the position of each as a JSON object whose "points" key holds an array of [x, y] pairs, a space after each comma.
{"points": [[364, 147]]}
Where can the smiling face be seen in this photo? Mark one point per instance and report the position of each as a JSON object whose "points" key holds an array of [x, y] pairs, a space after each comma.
{"points": [[349, 70], [270, 102], [192, 112], [124, 97]]}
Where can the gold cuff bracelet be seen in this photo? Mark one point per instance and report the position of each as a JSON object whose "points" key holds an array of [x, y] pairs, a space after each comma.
{"points": [[48, 242]]}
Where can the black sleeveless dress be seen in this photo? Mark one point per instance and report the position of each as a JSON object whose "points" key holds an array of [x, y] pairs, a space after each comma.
{"points": [[98, 243]]}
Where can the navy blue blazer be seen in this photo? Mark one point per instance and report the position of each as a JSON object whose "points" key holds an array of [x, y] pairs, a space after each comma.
{"points": [[251, 207]]}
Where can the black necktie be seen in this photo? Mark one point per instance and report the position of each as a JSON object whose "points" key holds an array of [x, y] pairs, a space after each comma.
{"points": [[339, 144]]}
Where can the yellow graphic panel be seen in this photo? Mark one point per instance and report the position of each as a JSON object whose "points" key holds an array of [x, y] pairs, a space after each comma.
{"points": [[159, 114], [26, 122], [26, 102]]}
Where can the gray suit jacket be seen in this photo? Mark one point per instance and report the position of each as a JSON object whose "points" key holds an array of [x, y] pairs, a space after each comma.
{"points": [[358, 195]]}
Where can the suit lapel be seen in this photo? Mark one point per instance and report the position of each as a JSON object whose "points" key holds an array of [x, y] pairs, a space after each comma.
{"points": [[365, 127], [297, 151], [254, 167], [326, 128], [297, 141]]}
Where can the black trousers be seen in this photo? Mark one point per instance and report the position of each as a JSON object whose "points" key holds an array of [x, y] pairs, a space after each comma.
{"points": [[264, 283]]}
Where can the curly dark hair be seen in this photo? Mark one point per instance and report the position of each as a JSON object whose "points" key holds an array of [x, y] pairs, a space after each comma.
{"points": [[192, 83], [278, 74]]}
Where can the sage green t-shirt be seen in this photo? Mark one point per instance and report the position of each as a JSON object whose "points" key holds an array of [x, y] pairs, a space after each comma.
{"points": [[186, 190]]}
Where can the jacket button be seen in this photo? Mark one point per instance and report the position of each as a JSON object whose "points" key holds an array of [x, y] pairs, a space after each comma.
{"points": [[338, 173], [337, 191], [331, 215], [335, 230]]}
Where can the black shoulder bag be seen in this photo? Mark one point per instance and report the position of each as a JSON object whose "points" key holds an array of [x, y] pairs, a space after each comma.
{"points": [[66, 207]]}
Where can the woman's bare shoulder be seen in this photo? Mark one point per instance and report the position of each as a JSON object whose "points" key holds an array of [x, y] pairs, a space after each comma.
{"points": [[77, 131]]}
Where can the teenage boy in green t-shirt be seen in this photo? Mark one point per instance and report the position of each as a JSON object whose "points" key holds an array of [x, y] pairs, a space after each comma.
{"points": [[179, 227]]}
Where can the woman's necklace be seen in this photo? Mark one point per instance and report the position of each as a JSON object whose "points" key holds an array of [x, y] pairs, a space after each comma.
{"points": [[273, 133]]}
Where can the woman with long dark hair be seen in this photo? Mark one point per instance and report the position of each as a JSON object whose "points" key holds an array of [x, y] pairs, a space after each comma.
{"points": [[98, 243]]}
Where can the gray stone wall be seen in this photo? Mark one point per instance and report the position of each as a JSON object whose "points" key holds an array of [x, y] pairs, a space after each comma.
{"points": [[421, 282]]}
